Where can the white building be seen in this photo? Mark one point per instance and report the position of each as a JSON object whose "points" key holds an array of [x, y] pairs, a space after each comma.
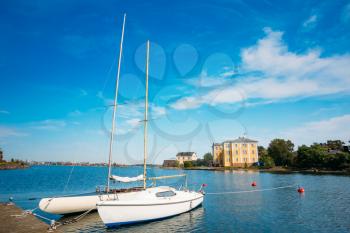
{"points": [[186, 156]]}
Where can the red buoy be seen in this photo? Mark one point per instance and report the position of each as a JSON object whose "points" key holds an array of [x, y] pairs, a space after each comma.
{"points": [[301, 190], [254, 184]]}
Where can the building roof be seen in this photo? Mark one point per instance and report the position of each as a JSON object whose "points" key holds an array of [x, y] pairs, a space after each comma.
{"points": [[241, 140], [184, 154]]}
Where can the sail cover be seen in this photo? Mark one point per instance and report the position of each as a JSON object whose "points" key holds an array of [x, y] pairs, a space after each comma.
{"points": [[126, 179]]}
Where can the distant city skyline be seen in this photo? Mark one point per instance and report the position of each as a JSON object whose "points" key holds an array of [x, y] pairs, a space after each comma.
{"points": [[218, 70]]}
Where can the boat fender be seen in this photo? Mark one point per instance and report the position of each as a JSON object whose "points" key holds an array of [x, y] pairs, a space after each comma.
{"points": [[301, 190]]}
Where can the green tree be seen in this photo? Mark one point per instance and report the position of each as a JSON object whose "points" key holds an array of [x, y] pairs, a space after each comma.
{"points": [[262, 152], [311, 156], [198, 163], [266, 161], [188, 164], [208, 157], [317, 156], [1, 155], [335, 144], [339, 161], [281, 151]]}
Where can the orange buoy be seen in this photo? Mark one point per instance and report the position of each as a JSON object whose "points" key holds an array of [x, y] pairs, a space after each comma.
{"points": [[254, 184], [301, 190]]}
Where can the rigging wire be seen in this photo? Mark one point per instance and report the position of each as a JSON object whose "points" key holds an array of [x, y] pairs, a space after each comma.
{"points": [[70, 175]]}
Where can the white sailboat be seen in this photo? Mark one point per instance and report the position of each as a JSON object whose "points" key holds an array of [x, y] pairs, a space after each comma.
{"points": [[153, 203], [85, 202]]}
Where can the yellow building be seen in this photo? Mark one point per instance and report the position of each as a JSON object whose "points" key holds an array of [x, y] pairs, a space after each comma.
{"points": [[236, 153]]}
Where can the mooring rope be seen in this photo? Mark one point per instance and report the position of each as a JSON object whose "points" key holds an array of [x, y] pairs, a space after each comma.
{"points": [[252, 191], [53, 223]]}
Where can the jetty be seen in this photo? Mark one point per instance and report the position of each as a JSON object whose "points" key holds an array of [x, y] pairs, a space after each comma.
{"points": [[14, 219]]}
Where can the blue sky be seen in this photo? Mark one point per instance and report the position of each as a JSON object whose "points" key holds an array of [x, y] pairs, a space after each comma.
{"points": [[219, 69]]}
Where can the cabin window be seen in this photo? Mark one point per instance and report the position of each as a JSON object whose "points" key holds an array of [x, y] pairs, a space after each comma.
{"points": [[166, 194]]}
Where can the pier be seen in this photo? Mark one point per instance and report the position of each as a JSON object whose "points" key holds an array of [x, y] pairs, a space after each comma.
{"points": [[13, 219]]}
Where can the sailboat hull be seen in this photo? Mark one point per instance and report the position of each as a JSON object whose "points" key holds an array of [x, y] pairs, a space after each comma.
{"points": [[142, 209], [72, 204]]}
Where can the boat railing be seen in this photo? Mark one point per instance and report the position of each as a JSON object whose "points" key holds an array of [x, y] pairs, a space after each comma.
{"points": [[154, 179]]}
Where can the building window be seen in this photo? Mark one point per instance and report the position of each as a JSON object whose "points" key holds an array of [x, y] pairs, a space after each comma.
{"points": [[236, 152], [253, 152], [236, 159]]}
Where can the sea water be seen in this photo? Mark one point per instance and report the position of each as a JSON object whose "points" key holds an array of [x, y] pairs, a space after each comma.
{"points": [[324, 207]]}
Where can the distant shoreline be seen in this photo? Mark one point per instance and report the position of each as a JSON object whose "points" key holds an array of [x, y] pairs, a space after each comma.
{"points": [[278, 170], [13, 166]]}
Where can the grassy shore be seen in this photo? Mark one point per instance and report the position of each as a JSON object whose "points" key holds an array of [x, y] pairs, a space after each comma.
{"points": [[12, 165]]}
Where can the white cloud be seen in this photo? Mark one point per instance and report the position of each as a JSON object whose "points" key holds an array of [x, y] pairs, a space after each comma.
{"points": [[134, 122], [320, 131], [48, 124], [157, 110], [75, 113], [6, 131], [205, 80], [187, 103], [272, 73], [106, 101], [136, 109], [311, 21]]}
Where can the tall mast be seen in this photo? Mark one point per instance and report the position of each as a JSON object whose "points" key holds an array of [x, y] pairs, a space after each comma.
{"points": [[145, 120], [115, 106]]}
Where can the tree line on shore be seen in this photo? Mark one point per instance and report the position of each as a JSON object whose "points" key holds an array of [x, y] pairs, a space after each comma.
{"points": [[207, 161], [332, 155], [12, 161]]}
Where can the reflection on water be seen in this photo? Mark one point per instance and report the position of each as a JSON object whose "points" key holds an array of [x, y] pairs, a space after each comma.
{"points": [[186, 222]]}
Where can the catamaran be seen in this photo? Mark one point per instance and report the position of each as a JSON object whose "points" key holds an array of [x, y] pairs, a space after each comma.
{"points": [[152, 203]]}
